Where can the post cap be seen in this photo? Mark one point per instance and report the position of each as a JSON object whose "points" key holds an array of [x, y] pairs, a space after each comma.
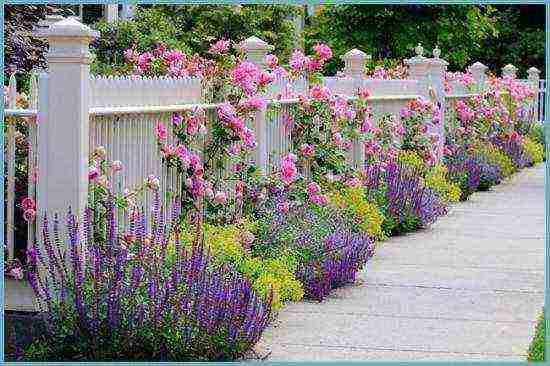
{"points": [[533, 70], [255, 44], [436, 52], [68, 28], [355, 54], [509, 69], [478, 66], [419, 50]]}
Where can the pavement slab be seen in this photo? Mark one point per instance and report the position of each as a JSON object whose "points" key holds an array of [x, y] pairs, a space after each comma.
{"points": [[469, 288]]}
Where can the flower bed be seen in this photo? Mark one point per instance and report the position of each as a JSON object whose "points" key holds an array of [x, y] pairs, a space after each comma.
{"points": [[203, 283]]}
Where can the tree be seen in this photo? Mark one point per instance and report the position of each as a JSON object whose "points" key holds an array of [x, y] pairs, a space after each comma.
{"points": [[192, 28], [392, 31], [520, 39]]}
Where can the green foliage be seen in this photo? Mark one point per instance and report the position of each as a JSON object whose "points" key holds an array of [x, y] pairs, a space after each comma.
{"points": [[534, 149], [366, 215], [229, 245], [391, 32], [191, 28], [537, 346], [520, 39]]}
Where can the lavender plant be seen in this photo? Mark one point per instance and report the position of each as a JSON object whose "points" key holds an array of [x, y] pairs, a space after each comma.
{"points": [[472, 172], [406, 202], [329, 252], [125, 300]]}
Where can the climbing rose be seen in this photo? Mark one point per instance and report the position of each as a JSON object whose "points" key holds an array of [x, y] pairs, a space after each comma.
{"points": [[307, 150], [29, 215], [220, 47], [93, 174], [288, 168], [161, 131], [28, 203], [313, 188], [323, 51], [320, 93], [117, 165], [364, 93], [272, 61]]}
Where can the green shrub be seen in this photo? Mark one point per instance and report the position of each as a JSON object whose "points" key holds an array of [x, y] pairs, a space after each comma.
{"points": [[536, 348]]}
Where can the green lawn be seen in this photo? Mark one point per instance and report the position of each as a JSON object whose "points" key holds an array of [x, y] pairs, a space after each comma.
{"points": [[536, 349]]}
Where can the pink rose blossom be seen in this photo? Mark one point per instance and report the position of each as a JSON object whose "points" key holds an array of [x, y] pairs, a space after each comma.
{"points": [[323, 51], [219, 48], [288, 168], [319, 92], [117, 165], [320, 200], [220, 197], [283, 207], [272, 61], [307, 150], [17, 273], [28, 203], [161, 131], [93, 173], [313, 188], [29, 215]]}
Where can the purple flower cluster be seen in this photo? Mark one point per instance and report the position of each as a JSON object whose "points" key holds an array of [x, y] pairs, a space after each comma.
{"points": [[514, 149], [330, 252], [405, 195], [127, 299], [472, 172], [343, 257]]}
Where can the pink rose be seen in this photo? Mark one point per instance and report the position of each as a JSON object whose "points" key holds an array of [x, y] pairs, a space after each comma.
{"points": [[28, 203], [29, 215], [272, 61], [323, 51], [161, 131], [313, 188], [283, 207], [220, 197], [307, 150], [93, 174], [17, 273], [117, 165]]}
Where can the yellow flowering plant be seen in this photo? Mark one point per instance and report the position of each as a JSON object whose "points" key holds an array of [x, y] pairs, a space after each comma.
{"points": [[367, 215], [229, 244]]}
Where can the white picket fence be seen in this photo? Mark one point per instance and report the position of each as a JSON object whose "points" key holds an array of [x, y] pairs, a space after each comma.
{"points": [[78, 112]]}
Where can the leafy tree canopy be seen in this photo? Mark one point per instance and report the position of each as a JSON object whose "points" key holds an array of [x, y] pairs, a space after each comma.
{"points": [[194, 28], [391, 32]]}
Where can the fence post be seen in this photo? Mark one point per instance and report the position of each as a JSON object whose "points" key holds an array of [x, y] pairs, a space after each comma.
{"points": [[63, 126], [534, 78], [419, 70], [354, 67], [478, 71], [436, 72], [509, 70], [354, 63], [255, 51]]}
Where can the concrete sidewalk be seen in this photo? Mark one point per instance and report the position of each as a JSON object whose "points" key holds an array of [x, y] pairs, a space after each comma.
{"points": [[469, 288]]}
